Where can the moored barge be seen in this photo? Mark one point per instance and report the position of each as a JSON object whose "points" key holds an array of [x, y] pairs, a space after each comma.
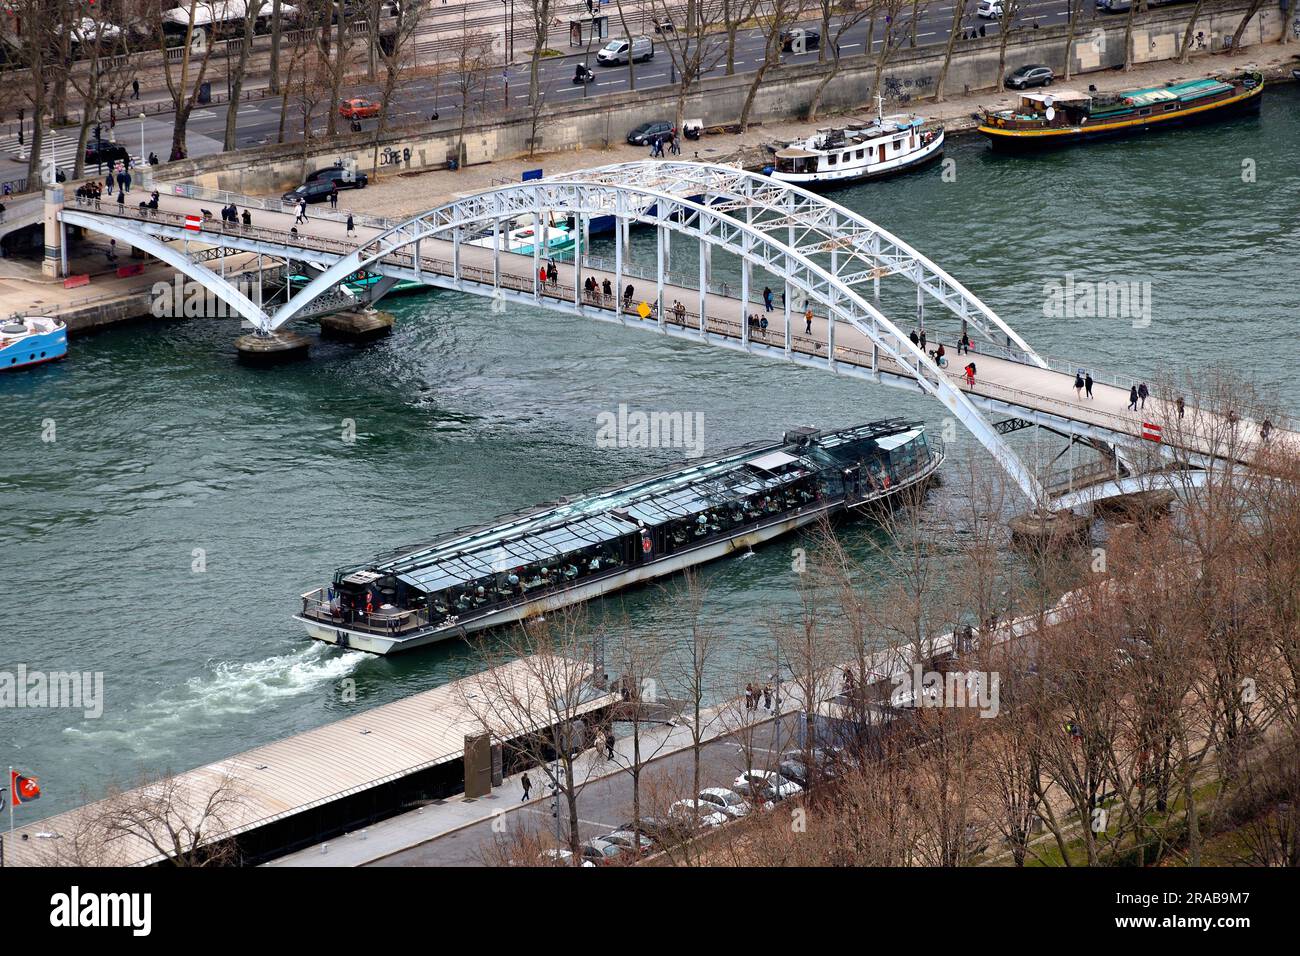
{"points": [[1050, 118], [602, 542]]}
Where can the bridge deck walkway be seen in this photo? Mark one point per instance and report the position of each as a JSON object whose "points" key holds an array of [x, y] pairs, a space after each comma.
{"points": [[999, 380]]}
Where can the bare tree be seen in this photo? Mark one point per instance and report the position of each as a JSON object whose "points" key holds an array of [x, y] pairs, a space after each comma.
{"points": [[694, 50], [852, 12], [774, 18], [1185, 50], [397, 55], [1133, 9], [1075, 11], [185, 87], [1006, 24], [235, 75], [1245, 21], [954, 26]]}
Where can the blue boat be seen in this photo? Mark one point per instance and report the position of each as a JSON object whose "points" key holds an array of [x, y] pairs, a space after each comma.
{"points": [[31, 340]]}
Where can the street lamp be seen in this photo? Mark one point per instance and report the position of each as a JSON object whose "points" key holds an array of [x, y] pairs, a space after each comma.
{"points": [[508, 29], [142, 137]]}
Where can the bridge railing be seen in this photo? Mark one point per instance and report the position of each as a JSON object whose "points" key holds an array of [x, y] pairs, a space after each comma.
{"points": [[269, 204]]}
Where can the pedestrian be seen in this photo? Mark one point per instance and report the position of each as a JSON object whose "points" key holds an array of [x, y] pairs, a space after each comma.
{"points": [[541, 275], [126, 175], [1180, 405], [302, 212], [923, 340], [527, 785], [1143, 394], [248, 218], [628, 293], [607, 289], [334, 198], [112, 250], [1265, 429], [108, 180], [807, 321], [1078, 384], [767, 299], [749, 697], [916, 339], [1132, 398], [121, 200], [767, 697], [350, 229], [674, 144], [1087, 384], [963, 343], [135, 89], [609, 742], [552, 272], [970, 375], [600, 741]]}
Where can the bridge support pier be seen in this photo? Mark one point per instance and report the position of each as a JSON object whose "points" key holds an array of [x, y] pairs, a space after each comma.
{"points": [[273, 349], [55, 263], [1140, 507], [1048, 528], [357, 326]]}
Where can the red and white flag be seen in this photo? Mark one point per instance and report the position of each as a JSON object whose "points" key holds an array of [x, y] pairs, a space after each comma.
{"points": [[1150, 432], [194, 223], [22, 789]]}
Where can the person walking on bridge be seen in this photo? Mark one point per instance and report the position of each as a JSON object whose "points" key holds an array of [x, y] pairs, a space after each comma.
{"points": [[1132, 398], [527, 785], [807, 320], [350, 230], [1087, 384], [1143, 394], [302, 212], [1078, 384], [963, 343]]}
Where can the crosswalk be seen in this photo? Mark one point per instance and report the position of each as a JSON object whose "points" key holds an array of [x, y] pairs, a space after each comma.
{"points": [[61, 145]]}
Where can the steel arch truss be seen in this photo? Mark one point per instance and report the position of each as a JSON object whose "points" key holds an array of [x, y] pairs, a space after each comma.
{"points": [[622, 192], [861, 250], [153, 240]]}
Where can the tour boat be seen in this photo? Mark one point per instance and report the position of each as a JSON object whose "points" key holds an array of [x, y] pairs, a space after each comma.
{"points": [[523, 235], [848, 154], [1046, 119], [563, 554], [31, 340]]}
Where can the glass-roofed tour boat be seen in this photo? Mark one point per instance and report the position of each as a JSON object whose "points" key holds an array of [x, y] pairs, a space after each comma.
{"points": [[558, 555]]}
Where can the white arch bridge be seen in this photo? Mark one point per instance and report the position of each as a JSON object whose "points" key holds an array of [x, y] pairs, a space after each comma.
{"points": [[812, 252]]}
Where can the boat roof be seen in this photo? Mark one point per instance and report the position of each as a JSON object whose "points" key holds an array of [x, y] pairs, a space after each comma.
{"points": [[1047, 98], [550, 532], [1188, 89]]}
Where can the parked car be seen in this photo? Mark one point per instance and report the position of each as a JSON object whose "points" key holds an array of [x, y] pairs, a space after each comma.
{"points": [[620, 51], [600, 852], [990, 9], [724, 801], [627, 840], [765, 785], [314, 192], [643, 134], [339, 176], [105, 152], [1027, 76], [359, 108], [554, 857], [697, 814], [88, 30], [802, 37]]}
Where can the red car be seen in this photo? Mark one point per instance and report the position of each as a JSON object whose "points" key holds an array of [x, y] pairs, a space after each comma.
{"points": [[358, 108]]}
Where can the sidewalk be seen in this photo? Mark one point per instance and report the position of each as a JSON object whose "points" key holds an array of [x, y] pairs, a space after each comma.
{"points": [[443, 817]]}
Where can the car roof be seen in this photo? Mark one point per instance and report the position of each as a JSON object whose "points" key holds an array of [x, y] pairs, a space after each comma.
{"points": [[720, 791]]}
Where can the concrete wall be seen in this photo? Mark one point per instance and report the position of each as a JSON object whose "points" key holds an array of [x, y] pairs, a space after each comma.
{"points": [[911, 74]]}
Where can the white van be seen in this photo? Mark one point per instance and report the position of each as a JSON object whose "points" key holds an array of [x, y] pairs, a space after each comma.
{"points": [[990, 9], [618, 51]]}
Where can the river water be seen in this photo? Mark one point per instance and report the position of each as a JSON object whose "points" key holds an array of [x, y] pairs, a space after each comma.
{"points": [[168, 456]]}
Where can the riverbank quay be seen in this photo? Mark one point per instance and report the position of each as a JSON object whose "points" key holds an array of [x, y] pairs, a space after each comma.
{"points": [[908, 82], [732, 738], [258, 804]]}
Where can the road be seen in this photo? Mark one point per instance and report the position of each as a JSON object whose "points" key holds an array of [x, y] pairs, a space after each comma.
{"points": [[259, 119]]}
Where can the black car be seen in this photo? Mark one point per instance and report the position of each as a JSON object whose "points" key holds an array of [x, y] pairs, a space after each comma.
{"points": [[105, 152], [1027, 76], [339, 177], [646, 132], [812, 39], [313, 192]]}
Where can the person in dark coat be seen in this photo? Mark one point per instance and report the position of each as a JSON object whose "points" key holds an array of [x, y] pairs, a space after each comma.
{"points": [[1087, 384], [351, 230], [527, 785], [1132, 398], [1143, 394], [609, 743]]}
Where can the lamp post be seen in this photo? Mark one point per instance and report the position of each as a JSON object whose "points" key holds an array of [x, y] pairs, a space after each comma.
{"points": [[142, 159], [508, 28]]}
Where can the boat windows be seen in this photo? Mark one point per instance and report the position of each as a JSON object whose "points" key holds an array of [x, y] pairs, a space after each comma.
{"points": [[831, 160], [861, 153]]}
